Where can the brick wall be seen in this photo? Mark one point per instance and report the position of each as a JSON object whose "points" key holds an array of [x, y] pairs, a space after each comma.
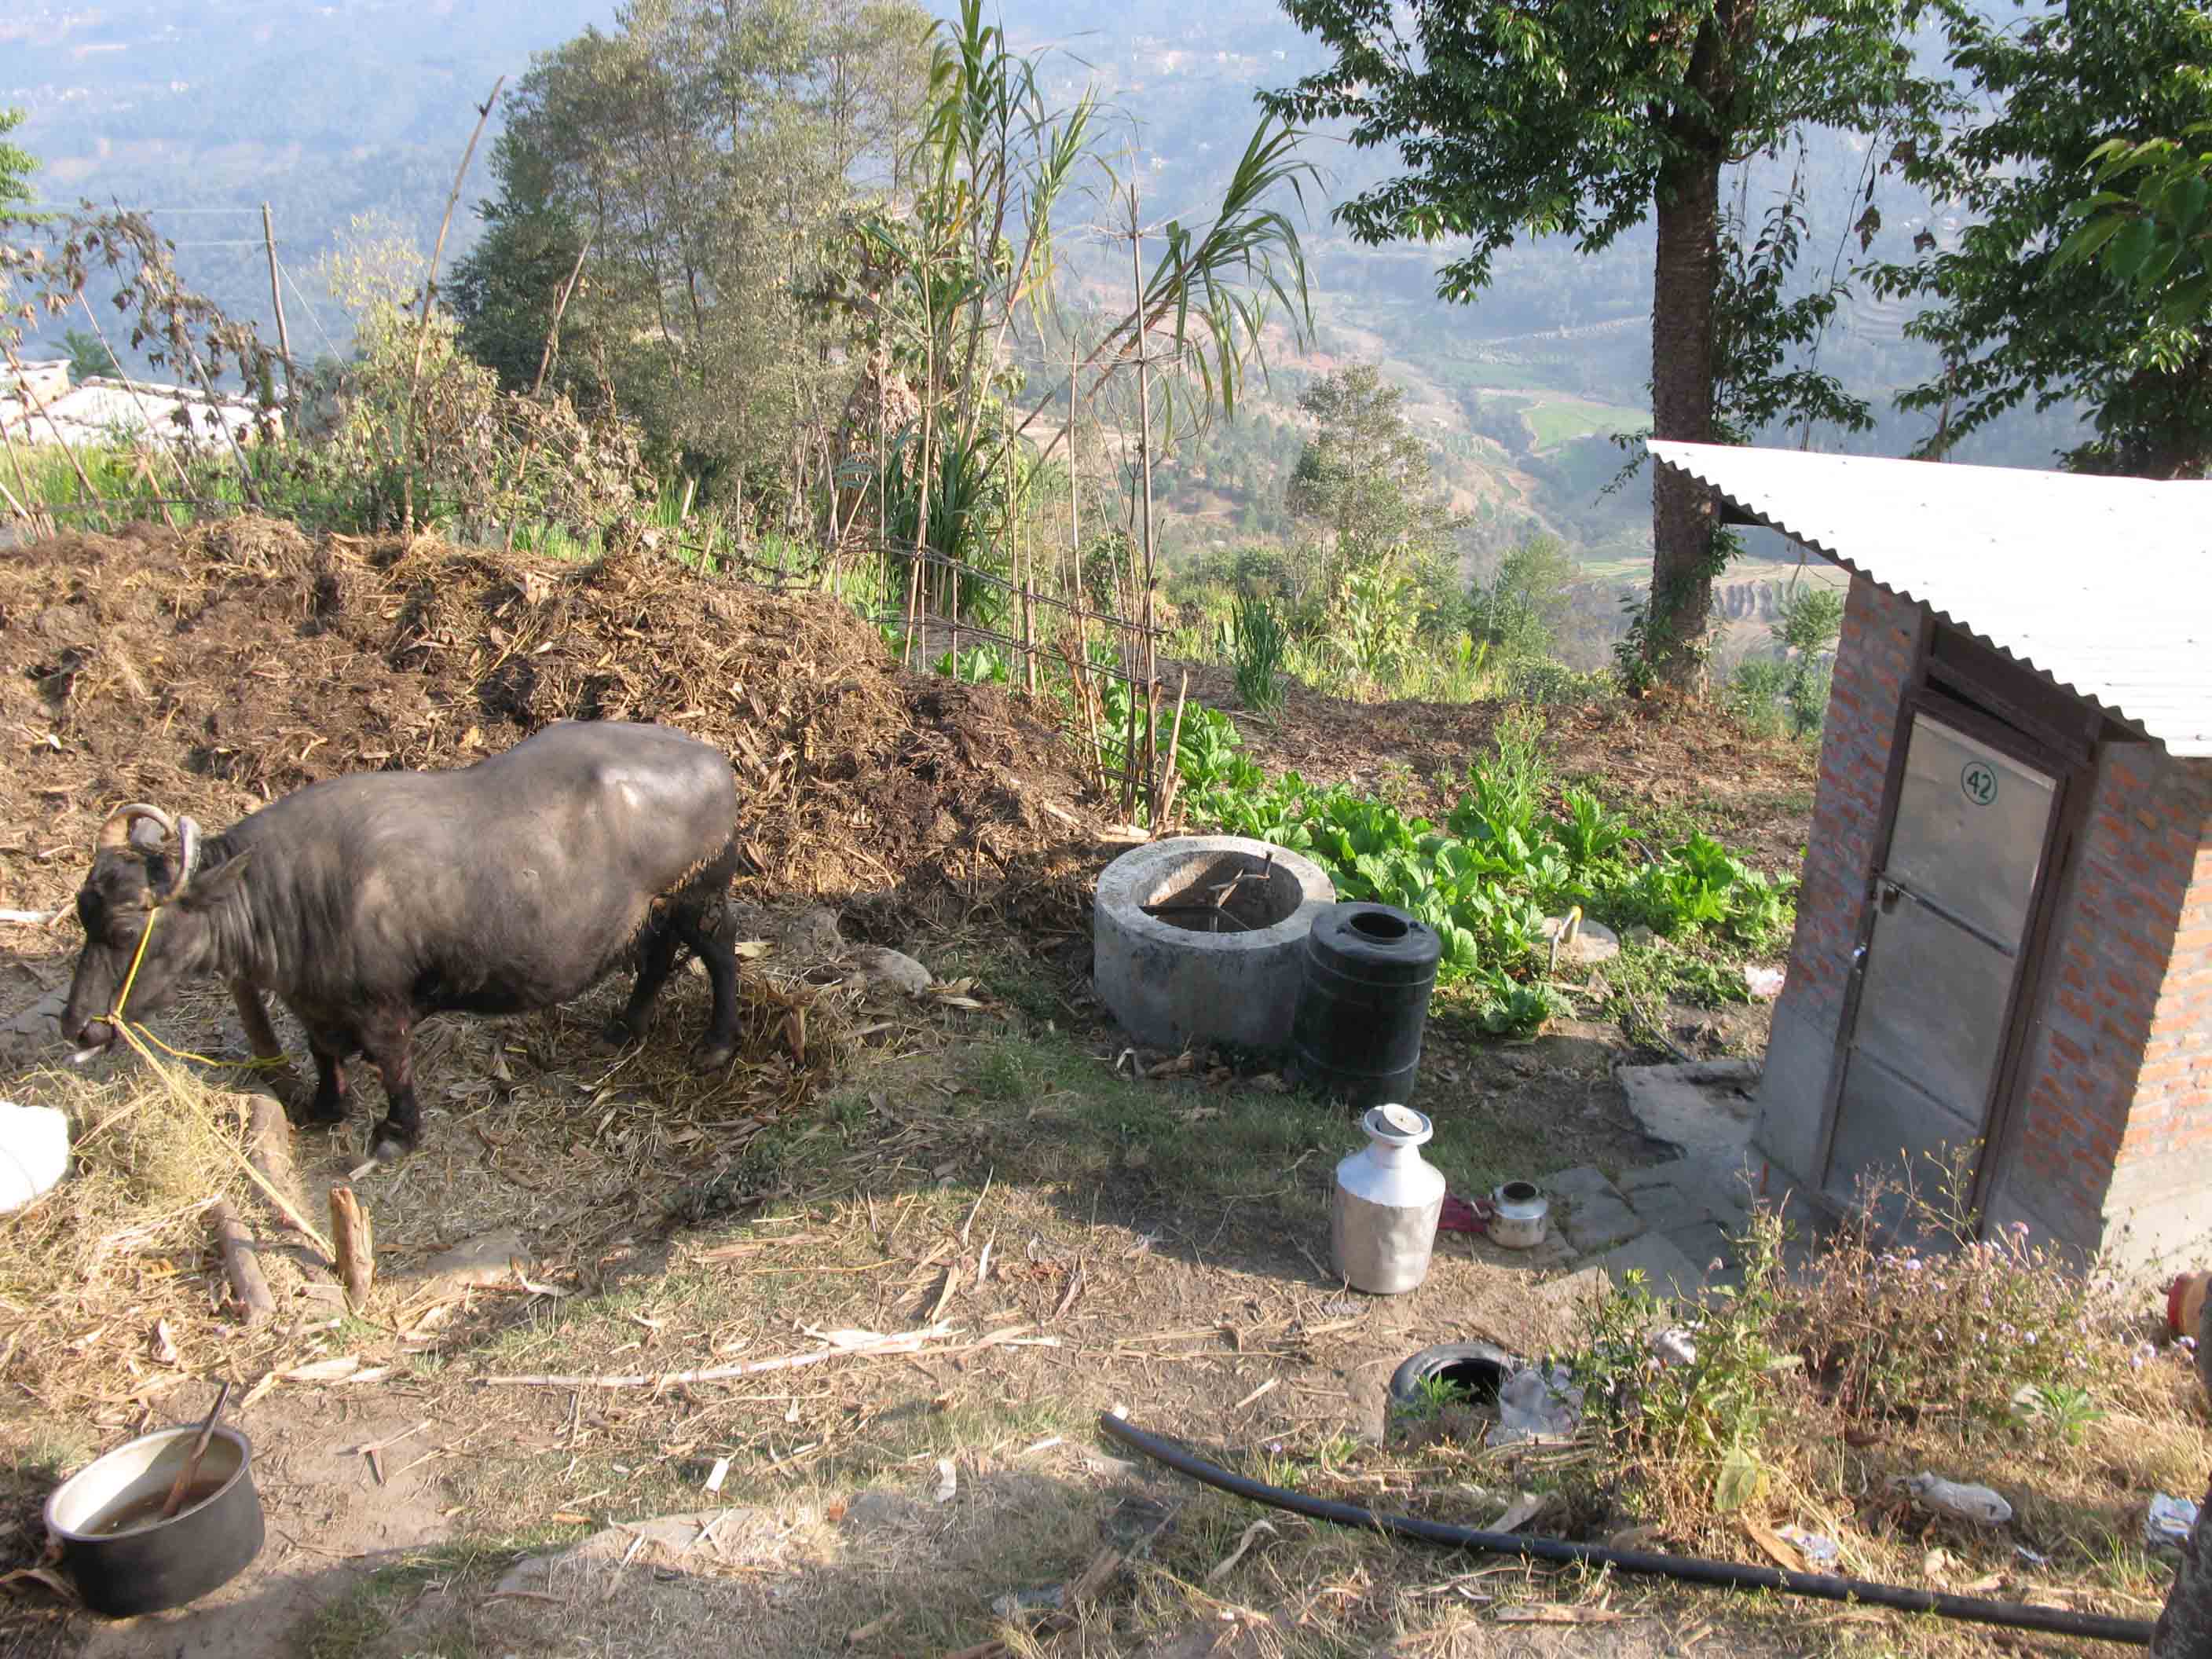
{"points": [[1873, 658], [2117, 1120]]}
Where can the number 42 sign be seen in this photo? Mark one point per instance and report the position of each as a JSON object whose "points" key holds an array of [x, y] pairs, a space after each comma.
{"points": [[1978, 782]]}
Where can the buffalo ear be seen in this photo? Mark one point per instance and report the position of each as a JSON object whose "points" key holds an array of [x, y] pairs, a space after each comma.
{"points": [[210, 887]]}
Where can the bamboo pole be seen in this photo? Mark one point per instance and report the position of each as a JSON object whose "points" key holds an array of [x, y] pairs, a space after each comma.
{"points": [[423, 326], [283, 334], [559, 305]]}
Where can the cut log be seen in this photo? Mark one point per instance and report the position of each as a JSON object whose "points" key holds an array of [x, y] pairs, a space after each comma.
{"points": [[269, 1149], [240, 1266], [355, 1246]]}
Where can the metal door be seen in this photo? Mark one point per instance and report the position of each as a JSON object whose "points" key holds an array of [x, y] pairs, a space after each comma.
{"points": [[1952, 904]]}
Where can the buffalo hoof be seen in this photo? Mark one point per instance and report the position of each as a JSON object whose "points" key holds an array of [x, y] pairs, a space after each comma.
{"points": [[712, 1054], [306, 1110], [616, 1033], [389, 1146]]}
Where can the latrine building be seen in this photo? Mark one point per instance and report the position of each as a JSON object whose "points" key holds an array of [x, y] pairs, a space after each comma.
{"points": [[2004, 931]]}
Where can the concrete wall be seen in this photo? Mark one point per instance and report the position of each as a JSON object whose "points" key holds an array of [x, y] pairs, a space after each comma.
{"points": [[2110, 1150], [1873, 659]]}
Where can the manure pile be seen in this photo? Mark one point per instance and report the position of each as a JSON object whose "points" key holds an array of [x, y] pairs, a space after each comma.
{"points": [[214, 669]]}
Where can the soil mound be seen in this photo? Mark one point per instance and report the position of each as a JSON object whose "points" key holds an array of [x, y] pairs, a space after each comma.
{"points": [[217, 669]]}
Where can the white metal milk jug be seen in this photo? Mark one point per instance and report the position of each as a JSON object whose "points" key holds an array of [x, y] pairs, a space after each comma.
{"points": [[1382, 1218]]}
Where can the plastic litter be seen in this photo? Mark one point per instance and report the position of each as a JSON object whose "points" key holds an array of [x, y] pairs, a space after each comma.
{"points": [[1537, 1404], [2170, 1522], [1458, 1215], [1818, 1548], [1765, 983], [1976, 1504], [1675, 1346], [33, 1154]]}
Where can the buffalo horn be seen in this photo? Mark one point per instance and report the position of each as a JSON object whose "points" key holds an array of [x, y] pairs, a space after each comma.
{"points": [[188, 833], [116, 832]]}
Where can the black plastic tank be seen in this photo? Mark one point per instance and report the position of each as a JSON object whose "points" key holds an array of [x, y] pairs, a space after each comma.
{"points": [[1363, 1000]]}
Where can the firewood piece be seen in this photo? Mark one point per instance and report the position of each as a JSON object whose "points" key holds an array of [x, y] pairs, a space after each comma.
{"points": [[240, 1263], [269, 1150], [356, 1249]]}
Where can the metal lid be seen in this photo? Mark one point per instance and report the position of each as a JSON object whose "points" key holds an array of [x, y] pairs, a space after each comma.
{"points": [[1397, 1125]]}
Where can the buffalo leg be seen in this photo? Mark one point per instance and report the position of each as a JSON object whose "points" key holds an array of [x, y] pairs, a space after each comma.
{"points": [[260, 1034], [261, 1038], [720, 1045], [328, 1103], [656, 956], [392, 1054]]}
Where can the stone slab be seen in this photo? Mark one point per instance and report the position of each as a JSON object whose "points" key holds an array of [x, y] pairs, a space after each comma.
{"points": [[1584, 1181], [1650, 1175], [1666, 1270], [1597, 1222], [1703, 1106]]}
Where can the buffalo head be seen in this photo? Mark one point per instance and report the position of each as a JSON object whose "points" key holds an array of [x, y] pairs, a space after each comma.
{"points": [[142, 877]]}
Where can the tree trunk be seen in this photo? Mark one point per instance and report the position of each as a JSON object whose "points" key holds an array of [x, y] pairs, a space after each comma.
{"points": [[1686, 271], [2184, 1630]]}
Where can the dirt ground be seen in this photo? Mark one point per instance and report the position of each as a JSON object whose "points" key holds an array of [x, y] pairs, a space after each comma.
{"points": [[976, 1163]]}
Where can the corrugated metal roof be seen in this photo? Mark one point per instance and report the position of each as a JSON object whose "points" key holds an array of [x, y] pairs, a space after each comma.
{"points": [[2103, 585]]}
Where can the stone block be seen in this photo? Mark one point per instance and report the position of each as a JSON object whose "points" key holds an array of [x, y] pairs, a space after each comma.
{"points": [[1584, 1181], [1599, 1221]]}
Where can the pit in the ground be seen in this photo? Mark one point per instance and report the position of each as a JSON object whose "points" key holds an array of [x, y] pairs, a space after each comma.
{"points": [[1191, 898]]}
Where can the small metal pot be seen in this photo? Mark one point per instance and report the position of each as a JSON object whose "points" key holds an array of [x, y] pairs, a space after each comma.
{"points": [[1518, 1215], [151, 1563]]}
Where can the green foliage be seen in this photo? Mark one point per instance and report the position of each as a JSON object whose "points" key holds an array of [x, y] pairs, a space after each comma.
{"points": [[2146, 226], [89, 358], [1376, 621], [1260, 643], [707, 154], [2020, 312], [1485, 880], [1593, 115], [1517, 612], [1789, 694], [1693, 1430], [1976, 1330], [1364, 478]]}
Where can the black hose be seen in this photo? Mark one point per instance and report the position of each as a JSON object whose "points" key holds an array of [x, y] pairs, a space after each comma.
{"points": [[1689, 1570]]}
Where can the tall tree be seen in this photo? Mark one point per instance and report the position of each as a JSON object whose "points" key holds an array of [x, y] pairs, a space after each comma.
{"points": [[697, 157], [2014, 320], [1581, 118]]}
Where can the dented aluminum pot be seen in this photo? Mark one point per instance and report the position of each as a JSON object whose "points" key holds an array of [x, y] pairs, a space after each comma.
{"points": [[1387, 1200], [1519, 1214]]}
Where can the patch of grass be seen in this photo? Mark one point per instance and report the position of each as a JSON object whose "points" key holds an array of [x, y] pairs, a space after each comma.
{"points": [[1216, 1148]]}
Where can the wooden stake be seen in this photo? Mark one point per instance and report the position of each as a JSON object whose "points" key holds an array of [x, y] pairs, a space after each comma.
{"points": [[284, 335], [356, 1248], [1173, 780], [240, 1266], [269, 1150]]}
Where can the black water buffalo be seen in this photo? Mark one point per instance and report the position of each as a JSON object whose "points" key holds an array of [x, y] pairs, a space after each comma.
{"points": [[366, 903]]}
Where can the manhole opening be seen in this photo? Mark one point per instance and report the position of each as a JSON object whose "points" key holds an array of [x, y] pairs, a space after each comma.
{"points": [[1379, 925], [1191, 897]]}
